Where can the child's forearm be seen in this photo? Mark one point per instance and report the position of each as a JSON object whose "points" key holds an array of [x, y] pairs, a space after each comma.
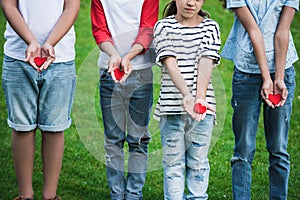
{"points": [[281, 41], [245, 17], [65, 22], [175, 74], [205, 67], [109, 49], [15, 19], [135, 50]]}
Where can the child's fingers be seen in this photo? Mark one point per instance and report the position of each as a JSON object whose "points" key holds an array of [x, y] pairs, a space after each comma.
{"points": [[264, 95], [111, 68], [199, 117], [283, 98], [112, 73], [47, 63], [209, 107]]}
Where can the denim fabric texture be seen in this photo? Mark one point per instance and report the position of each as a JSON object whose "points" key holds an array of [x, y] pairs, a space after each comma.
{"points": [[38, 100], [126, 112], [238, 47], [246, 102], [185, 144]]}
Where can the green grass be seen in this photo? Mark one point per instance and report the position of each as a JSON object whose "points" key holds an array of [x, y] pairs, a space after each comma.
{"points": [[83, 174]]}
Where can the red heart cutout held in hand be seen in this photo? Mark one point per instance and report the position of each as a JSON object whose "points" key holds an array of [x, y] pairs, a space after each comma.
{"points": [[119, 73], [39, 61], [274, 98], [199, 108]]}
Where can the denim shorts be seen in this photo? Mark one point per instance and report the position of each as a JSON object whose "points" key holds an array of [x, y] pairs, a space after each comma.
{"points": [[38, 100]]}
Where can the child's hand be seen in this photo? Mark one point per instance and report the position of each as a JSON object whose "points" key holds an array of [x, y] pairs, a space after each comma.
{"points": [[188, 105], [280, 88], [199, 116], [114, 63], [33, 50], [49, 54], [126, 66], [266, 89]]}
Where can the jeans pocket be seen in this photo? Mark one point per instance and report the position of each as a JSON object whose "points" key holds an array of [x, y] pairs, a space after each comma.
{"points": [[146, 76]]}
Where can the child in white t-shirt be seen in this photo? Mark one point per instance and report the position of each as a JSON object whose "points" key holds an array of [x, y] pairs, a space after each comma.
{"points": [[39, 83]]}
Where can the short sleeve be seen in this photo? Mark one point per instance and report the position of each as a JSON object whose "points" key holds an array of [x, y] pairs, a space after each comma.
{"points": [[211, 47], [293, 4], [235, 3], [162, 43]]}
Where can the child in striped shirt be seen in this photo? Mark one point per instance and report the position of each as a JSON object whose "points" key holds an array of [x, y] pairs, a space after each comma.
{"points": [[187, 43]]}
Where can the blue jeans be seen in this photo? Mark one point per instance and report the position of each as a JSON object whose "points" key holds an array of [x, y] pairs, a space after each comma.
{"points": [[126, 108], [246, 102], [38, 100], [185, 144]]}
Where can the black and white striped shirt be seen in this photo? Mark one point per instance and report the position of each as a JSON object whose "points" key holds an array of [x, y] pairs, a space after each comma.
{"points": [[187, 45]]}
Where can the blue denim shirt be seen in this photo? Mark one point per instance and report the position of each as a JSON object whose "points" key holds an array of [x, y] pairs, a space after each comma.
{"points": [[238, 47]]}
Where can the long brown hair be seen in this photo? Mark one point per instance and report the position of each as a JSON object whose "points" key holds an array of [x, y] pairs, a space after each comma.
{"points": [[171, 9]]}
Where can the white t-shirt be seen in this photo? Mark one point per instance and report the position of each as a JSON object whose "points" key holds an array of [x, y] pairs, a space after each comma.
{"points": [[41, 17], [124, 27]]}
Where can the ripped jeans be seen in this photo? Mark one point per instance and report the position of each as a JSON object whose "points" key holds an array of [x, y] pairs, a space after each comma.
{"points": [[126, 109], [246, 102], [185, 145]]}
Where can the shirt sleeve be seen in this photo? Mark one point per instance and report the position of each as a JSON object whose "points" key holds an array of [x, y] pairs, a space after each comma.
{"points": [[212, 47], [149, 17], [99, 26], [235, 3], [293, 4], [162, 43]]}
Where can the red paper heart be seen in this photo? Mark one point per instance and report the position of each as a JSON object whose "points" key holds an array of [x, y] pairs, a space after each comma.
{"points": [[274, 98], [119, 73], [199, 108], [39, 61]]}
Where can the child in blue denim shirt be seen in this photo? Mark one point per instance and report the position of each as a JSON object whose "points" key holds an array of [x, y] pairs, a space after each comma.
{"points": [[38, 80], [261, 47], [187, 44]]}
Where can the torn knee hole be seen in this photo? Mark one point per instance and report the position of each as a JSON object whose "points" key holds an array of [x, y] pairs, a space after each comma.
{"points": [[237, 159]]}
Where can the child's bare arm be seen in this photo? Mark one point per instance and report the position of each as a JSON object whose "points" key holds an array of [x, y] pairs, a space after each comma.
{"points": [[188, 100], [17, 22], [65, 22], [281, 41], [171, 64], [63, 25], [256, 37], [205, 67]]}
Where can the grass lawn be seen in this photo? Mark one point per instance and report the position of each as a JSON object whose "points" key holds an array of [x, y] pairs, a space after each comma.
{"points": [[83, 173]]}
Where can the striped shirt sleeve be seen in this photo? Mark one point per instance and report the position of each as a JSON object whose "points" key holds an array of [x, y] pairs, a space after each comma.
{"points": [[212, 45], [162, 43]]}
